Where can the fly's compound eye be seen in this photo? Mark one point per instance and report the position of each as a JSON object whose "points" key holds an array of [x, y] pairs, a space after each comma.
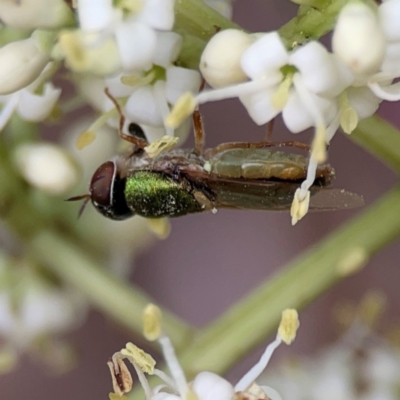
{"points": [[136, 130], [107, 192]]}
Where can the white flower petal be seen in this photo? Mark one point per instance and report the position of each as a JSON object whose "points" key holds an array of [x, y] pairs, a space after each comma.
{"points": [[210, 386], [391, 62], [297, 116], [142, 107], [271, 393], [95, 15], [159, 14], [117, 88], [36, 108], [136, 43], [264, 58], [167, 48], [363, 101], [181, 80], [389, 92], [259, 106], [389, 15], [317, 68]]}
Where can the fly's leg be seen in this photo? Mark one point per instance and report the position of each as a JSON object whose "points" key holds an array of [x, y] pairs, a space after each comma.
{"points": [[198, 126], [140, 143], [198, 132], [270, 128], [258, 145]]}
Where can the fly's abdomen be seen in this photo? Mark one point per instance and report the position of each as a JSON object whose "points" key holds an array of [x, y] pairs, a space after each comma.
{"points": [[259, 164], [155, 195]]}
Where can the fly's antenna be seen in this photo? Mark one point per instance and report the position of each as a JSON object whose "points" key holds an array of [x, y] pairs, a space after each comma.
{"points": [[138, 142], [85, 198]]}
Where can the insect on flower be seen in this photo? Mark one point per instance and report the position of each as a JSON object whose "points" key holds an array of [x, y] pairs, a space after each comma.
{"points": [[232, 175]]}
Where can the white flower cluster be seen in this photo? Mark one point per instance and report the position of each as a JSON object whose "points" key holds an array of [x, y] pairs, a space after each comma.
{"points": [[206, 385], [309, 85], [128, 47]]}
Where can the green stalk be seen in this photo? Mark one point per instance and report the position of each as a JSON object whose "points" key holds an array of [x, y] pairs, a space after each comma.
{"points": [[380, 138], [115, 297], [248, 323], [198, 19]]}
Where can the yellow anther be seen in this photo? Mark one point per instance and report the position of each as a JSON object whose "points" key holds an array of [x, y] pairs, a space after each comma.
{"points": [[162, 145], [288, 326], [348, 115], [138, 80], [143, 360], [75, 53], [121, 377], [84, 139], [299, 206], [161, 227], [184, 107], [152, 322]]}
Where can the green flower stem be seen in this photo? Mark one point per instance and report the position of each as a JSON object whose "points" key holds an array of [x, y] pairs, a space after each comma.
{"points": [[246, 324], [115, 297], [381, 139], [198, 19], [311, 23]]}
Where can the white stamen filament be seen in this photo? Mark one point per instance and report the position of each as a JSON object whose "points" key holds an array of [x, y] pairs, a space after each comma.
{"points": [[161, 100], [233, 91], [143, 381], [164, 377], [308, 101], [8, 110], [311, 173], [257, 369], [173, 365]]}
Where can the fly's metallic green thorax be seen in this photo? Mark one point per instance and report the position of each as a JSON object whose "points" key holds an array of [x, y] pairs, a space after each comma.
{"points": [[154, 195]]}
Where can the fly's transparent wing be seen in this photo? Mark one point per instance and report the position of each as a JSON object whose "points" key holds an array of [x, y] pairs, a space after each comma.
{"points": [[275, 195]]}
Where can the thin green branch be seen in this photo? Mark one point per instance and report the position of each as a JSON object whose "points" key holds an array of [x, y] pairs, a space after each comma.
{"points": [[381, 139], [247, 323], [117, 298]]}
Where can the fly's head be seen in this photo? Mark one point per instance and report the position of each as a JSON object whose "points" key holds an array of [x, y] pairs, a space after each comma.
{"points": [[107, 193]]}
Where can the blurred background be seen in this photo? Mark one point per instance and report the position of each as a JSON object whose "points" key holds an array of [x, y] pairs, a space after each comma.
{"points": [[210, 261]]}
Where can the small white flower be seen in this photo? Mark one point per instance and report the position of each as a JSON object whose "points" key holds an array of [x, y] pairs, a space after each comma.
{"points": [[206, 385], [121, 42]]}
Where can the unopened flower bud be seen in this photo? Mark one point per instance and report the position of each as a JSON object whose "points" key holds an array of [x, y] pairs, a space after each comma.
{"points": [[220, 61], [47, 167], [21, 63], [358, 38], [32, 14]]}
